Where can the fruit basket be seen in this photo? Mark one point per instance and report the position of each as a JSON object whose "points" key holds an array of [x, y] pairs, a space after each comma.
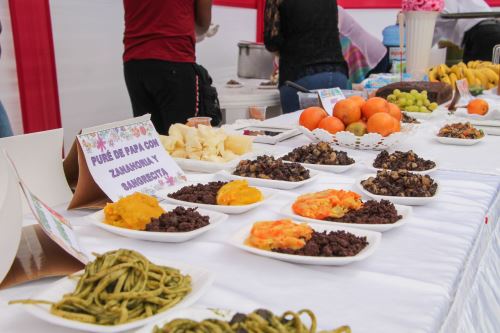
{"points": [[369, 141]]}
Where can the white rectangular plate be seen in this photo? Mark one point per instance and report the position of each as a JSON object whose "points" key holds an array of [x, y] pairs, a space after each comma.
{"points": [[97, 219], [404, 211], [277, 184], [459, 142], [201, 281], [187, 164], [409, 201], [373, 238], [268, 194]]}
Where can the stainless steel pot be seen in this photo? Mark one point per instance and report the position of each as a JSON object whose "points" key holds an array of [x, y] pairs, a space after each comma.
{"points": [[254, 61]]}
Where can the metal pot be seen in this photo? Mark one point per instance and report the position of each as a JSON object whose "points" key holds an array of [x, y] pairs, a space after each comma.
{"points": [[254, 61]]}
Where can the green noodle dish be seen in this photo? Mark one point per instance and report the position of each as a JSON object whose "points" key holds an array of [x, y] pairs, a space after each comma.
{"points": [[259, 321], [119, 287]]}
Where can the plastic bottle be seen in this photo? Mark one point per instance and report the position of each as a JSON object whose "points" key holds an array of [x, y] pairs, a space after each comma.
{"points": [[391, 41]]}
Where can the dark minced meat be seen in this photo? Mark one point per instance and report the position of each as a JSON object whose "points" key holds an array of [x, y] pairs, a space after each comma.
{"points": [[372, 212], [402, 161], [330, 244], [318, 153], [178, 220], [199, 193], [267, 167], [400, 183]]}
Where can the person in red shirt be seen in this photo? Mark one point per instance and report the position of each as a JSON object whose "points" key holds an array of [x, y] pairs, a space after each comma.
{"points": [[159, 40]]}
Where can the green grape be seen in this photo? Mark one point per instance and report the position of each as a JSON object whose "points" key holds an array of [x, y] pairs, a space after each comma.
{"points": [[396, 92], [426, 102], [413, 92], [401, 102], [433, 106], [412, 108], [419, 102], [424, 109], [424, 93], [391, 98]]}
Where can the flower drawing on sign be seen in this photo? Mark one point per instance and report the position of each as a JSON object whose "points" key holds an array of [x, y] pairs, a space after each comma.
{"points": [[170, 180], [136, 132], [143, 130], [101, 144], [87, 145]]}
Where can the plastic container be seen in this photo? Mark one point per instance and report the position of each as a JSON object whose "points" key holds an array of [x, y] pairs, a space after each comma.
{"points": [[195, 121], [391, 41]]}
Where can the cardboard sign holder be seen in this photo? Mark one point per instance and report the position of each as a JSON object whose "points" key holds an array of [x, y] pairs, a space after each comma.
{"points": [[29, 253]]}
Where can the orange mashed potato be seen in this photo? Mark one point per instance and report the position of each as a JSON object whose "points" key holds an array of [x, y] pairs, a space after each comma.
{"points": [[328, 203], [238, 193], [133, 211], [280, 234]]}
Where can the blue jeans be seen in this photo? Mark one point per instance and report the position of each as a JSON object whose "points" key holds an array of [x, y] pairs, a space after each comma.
{"points": [[5, 129], [325, 80]]}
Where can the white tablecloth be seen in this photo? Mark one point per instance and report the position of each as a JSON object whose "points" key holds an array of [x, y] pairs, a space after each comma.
{"points": [[438, 266]]}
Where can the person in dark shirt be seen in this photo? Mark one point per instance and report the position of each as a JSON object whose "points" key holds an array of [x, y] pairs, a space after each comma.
{"points": [[159, 40], [306, 35], [5, 129]]}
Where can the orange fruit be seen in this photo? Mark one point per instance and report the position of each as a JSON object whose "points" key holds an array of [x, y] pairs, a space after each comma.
{"points": [[395, 111], [310, 117], [397, 125], [347, 110], [331, 124], [358, 128], [374, 105], [358, 99], [478, 106], [381, 123]]}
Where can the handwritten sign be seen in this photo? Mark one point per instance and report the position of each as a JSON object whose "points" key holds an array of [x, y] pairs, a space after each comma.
{"points": [[54, 225], [330, 97], [128, 159]]}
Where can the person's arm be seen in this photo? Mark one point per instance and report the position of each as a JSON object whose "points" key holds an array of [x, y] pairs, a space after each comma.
{"points": [[272, 29], [203, 15]]}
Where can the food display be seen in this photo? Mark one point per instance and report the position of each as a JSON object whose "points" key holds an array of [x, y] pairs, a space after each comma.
{"points": [[204, 143], [437, 92], [461, 131], [268, 84], [233, 193], [344, 206], [482, 74], [286, 236], [318, 153], [134, 211], [402, 161], [259, 321], [238, 193], [119, 287], [233, 83], [413, 101], [267, 167], [180, 219], [400, 183]]}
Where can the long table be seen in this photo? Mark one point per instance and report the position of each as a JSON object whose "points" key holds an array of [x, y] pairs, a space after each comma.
{"points": [[439, 272]]}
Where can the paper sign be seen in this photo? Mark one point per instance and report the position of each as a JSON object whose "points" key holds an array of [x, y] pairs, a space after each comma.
{"points": [[55, 226], [329, 97], [463, 89], [129, 158]]}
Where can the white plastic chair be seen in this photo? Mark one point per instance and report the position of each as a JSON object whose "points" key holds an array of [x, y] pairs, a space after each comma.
{"points": [[38, 160]]}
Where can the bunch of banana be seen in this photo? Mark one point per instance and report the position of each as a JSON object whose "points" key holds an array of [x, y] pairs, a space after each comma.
{"points": [[477, 73]]}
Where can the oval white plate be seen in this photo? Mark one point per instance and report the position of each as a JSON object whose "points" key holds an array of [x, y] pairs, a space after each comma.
{"points": [[409, 201], [97, 219], [370, 166], [459, 142], [404, 211], [239, 85], [324, 167], [201, 281], [277, 184], [208, 166], [373, 238], [268, 194], [196, 314]]}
